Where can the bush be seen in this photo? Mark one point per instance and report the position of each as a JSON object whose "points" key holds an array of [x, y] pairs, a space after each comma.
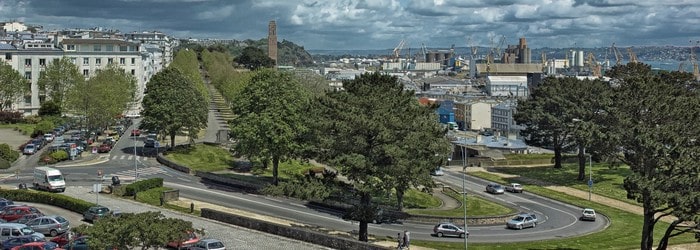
{"points": [[143, 185], [59, 200], [4, 164], [10, 117], [43, 127], [7, 154], [59, 155]]}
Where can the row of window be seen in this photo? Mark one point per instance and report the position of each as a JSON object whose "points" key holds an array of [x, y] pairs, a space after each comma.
{"points": [[86, 73], [100, 47], [86, 61]]}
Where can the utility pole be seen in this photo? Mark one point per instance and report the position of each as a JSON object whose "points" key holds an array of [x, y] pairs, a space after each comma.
{"points": [[464, 193]]}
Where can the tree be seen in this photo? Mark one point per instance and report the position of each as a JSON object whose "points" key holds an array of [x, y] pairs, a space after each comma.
{"points": [[104, 96], [254, 58], [58, 77], [147, 230], [270, 118], [13, 86], [173, 103], [549, 113], [357, 132], [655, 124], [49, 108]]}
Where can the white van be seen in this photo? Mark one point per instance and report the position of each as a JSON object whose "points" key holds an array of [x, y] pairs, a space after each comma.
{"points": [[49, 179], [12, 230]]}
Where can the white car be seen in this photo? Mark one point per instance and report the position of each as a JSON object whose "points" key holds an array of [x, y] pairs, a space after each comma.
{"points": [[514, 188], [437, 172], [208, 244], [588, 214]]}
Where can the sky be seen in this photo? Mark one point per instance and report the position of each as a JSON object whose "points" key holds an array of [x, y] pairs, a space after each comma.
{"points": [[382, 24]]}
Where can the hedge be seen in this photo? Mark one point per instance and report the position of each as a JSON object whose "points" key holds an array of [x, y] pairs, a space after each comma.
{"points": [[142, 185], [54, 199]]}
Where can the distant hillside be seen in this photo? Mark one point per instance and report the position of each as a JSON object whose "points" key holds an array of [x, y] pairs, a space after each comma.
{"points": [[288, 53]]}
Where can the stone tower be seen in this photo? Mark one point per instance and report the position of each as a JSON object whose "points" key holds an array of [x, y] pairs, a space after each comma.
{"points": [[272, 41]]}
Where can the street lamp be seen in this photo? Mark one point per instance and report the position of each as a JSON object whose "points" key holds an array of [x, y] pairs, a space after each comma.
{"points": [[136, 165], [464, 192]]}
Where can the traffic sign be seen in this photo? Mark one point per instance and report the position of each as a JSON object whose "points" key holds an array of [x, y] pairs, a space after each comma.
{"points": [[590, 183]]}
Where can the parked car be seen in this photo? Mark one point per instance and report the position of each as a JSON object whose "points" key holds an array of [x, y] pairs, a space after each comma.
{"points": [[494, 188], [188, 239], [29, 149], [79, 243], [5, 202], [63, 239], [39, 143], [14, 212], [104, 148], [48, 137], [514, 188], [588, 214], [49, 225], [14, 230], [149, 143], [522, 221], [37, 246], [26, 218], [95, 213], [449, 229], [18, 241], [208, 244], [135, 132]]}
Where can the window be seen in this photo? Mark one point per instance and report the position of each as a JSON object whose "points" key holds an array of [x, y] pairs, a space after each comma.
{"points": [[109, 47], [133, 61], [123, 48], [70, 47], [110, 60], [28, 75], [133, 72], [5, 232], [27, 62], [98, 61], [122, 61], [42, 62], [97, 47], [28, 100], [86, 61], [8, 56], [86, 72]]}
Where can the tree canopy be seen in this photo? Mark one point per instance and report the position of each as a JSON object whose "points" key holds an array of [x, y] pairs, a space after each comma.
{"points": [[362, 130], [254, 58], [13, 86], [270, 118], [58, 77], [173, 104]]}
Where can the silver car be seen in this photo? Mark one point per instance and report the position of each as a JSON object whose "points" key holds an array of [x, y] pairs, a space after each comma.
{"points": [[514, 188], [49, 225], [208, 244], [449, 229], [494, 188], [522, 221]]}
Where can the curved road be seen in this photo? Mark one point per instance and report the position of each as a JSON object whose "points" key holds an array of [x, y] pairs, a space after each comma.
{"points": [[557, 219]]}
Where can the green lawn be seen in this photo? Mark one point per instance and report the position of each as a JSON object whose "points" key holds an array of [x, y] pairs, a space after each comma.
{"points": [[623, 233], [607, 181], [476, 207], [203, 157], [24, 128]]}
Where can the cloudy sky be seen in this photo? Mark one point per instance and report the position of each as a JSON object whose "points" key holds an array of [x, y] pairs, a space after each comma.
{"points": [[382, 24]]}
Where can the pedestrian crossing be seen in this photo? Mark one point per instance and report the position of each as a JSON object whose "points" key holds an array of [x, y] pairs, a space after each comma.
{"points": [[144, 171], [127, 157]]}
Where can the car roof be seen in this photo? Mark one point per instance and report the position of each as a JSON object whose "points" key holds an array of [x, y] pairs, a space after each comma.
{"points": [[209, 240]]}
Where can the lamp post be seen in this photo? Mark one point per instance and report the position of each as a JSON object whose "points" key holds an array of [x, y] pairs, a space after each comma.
{"points": [[464, 192], [136, 165]]}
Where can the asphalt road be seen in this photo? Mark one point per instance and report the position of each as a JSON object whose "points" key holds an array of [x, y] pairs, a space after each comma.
{"points": [[557, 219]]}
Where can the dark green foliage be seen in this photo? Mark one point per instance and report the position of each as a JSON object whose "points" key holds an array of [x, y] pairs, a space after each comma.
{"points": [[143, 185], [43, 127], [147, 230], [10, 116], [254, 58], [59, 200], [4, 164], [59, 155], [7, 153], [59, 77], [13, 86], [49, 108]]}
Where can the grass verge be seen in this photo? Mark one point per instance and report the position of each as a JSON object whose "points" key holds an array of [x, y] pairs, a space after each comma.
{"points": [[24, 128], [152, 197], [203, 157], [476, 207], [623, 233]]}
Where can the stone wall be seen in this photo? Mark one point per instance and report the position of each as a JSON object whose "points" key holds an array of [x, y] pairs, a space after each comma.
{"points": [[173, 165], [248, 186], [301, 234]]}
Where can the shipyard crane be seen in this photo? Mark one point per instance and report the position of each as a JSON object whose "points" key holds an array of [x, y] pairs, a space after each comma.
{"points": [[397, 51], [593, 65], [617, 53], [632, 55], [424, 51]]}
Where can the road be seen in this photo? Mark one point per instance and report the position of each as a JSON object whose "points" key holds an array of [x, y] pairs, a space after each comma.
{"points": [[558, 219]]}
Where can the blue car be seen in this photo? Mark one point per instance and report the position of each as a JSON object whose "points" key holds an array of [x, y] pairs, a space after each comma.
{"points": [[18, 241]]}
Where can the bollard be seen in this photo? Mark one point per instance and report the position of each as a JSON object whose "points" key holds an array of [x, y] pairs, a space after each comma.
{"points": [[134, 196], [161, 201], [191, 207]]}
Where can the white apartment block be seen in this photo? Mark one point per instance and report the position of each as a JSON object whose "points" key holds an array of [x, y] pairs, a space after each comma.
{"points": [[507, 86], [89, 54]]}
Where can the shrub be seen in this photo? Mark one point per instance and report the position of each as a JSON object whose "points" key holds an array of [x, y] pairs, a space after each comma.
{"points": [[4, 164], [59, 155], [32, 119], [43, 127], [10, 117], [7, 154], [143, 185], [59, 200]]}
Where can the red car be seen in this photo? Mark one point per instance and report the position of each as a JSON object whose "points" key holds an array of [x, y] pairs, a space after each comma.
{"points": [[36, 246], [104, 148], [11, 213], [135, 132], [188, 239]]}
